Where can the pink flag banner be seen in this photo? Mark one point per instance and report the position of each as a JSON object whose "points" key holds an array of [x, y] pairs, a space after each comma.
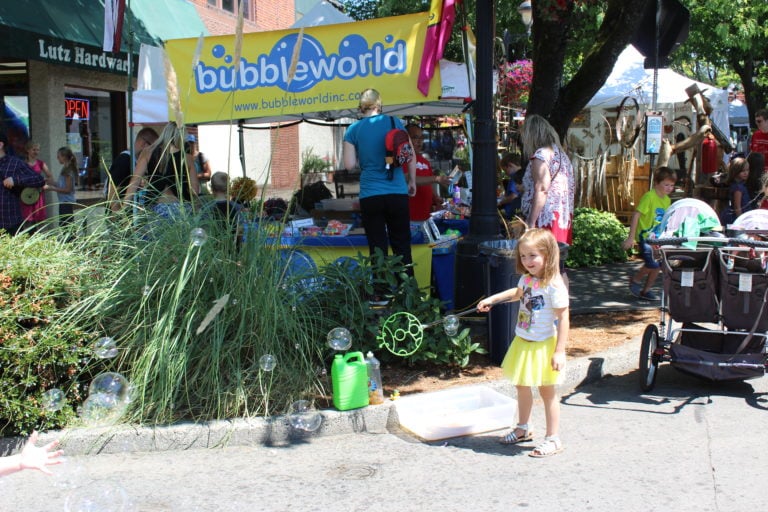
{"points": [[441, 16]]}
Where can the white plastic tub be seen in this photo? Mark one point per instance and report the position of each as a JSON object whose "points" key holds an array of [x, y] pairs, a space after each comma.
{"points": [[455, 412]]}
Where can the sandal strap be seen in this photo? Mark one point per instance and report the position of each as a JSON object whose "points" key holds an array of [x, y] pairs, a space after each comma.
{"points": [[549, 445]]}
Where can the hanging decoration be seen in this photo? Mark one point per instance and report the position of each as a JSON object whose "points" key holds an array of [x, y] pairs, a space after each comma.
{"points": [[515, 80]]}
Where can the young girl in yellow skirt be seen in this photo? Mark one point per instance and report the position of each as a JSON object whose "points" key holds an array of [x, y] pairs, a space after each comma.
{"points": [[537, 353]]}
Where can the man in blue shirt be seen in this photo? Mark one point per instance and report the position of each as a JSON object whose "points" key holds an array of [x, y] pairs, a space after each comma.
{"points": [[15, 174]]}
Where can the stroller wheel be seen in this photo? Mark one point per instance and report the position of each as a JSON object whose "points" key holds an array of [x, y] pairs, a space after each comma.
{"points": [[649, 361]]}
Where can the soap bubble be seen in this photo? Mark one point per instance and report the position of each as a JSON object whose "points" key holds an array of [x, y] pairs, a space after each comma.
{"points": [[70, 474], [198, 237], [98, 497], [339, 338], [146, 290], [267, 362], [105, 347], [53, 400], [302, 415], [111, 383], [101, 409], [451, 325]]}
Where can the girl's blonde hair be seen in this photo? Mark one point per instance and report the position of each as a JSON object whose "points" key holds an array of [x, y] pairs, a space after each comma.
{"points": [[31, 144], [369, 100], [538, 133], [543, 241], [70, 161], [161, 148]]}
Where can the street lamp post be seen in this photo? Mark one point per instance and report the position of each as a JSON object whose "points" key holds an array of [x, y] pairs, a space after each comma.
{"points": [[484, 222]]}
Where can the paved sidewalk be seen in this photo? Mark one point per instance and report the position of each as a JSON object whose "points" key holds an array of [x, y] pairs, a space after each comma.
{"points": [[603, 289]]}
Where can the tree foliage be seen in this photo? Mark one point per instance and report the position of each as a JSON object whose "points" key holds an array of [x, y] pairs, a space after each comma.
{"points": [[727, 37], [574, 44]]}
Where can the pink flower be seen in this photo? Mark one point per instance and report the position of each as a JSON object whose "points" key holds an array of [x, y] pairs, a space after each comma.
{"points": [[515, 80]]}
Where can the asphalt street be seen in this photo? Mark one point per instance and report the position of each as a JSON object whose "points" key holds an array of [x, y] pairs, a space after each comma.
{"points": [[688, 445]]}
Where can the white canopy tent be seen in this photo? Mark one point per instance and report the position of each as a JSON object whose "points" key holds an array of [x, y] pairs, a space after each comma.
{"points": [[629, 78]]}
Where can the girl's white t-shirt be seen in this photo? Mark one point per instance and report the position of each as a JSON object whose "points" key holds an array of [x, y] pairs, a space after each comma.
{"points": [[536, 315]]}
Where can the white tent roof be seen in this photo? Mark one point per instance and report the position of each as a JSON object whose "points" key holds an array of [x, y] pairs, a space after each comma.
{"points": [[630, 78], [737, 111], [323, 13]]}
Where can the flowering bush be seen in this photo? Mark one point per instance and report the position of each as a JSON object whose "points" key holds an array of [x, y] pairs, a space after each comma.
{"points": [[515, 80]]}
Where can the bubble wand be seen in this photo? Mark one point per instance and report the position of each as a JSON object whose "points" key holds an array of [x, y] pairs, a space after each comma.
{"points": [[402, 333]]}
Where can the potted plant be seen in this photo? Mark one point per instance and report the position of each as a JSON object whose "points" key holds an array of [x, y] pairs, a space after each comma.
{"points": [[313, 166]]}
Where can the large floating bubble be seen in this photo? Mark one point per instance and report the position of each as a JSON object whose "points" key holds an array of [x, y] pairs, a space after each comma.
{"points": [[451, 325], [53, 400], [111, 383], [198, 236], [105, 348], [302, 415], [267, 362], [339, 338], [101, 409], [98, 497]]}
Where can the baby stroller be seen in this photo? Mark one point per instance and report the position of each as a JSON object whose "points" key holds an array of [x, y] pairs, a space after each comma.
{"points": [[713, 320]]}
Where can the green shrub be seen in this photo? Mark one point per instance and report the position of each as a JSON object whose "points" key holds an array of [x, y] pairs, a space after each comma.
{"points": [[39, 278], [597, 239]]}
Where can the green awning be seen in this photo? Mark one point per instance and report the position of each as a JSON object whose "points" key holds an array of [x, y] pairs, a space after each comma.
{"points": [[70, 32]]}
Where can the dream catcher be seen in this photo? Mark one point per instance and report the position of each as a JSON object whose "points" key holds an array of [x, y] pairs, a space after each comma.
{"points": [[628, 122]]}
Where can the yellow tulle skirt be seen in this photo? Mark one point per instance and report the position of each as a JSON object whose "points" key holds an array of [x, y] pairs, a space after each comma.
{"points": [[529, 363]]}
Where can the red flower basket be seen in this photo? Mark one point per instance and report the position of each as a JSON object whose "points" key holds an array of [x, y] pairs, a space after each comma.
{"points": [[515, 80]]}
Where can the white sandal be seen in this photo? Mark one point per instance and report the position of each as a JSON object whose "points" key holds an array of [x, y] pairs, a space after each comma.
{"points": [[512, 438], [551, 445]]}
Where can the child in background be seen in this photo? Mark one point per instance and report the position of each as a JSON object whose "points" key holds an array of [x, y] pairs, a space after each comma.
{"points": [[537, 353], [32, 457], [65, 185], [650, 210], [510, 164], [738, 172]]}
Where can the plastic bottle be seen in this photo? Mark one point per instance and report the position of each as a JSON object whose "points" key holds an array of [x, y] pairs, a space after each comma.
{"points": [[456, 195], [375, 389], [349, 377]]}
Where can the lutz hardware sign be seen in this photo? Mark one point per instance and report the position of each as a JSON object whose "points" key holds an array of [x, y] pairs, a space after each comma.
{"points": [[28, 45]]}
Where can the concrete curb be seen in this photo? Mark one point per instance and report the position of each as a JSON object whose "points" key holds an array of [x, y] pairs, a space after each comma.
{"points": [[276, 431]]}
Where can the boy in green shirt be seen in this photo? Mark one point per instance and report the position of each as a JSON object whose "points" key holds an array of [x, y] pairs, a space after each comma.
{"points": [[648, 214]]}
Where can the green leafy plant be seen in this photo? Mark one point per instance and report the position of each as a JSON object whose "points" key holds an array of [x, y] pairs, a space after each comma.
{"points": [[597, 239], [313, 163], [39, 278]]}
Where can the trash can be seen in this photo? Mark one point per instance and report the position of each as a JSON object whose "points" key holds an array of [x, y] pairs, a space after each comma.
{"points": [[500, 275]]}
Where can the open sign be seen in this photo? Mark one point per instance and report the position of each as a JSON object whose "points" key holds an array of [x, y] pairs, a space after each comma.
{"points": [[77, 108]]}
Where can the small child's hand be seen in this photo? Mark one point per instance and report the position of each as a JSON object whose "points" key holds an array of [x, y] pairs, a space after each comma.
{"points": [[628, 243], [8, 182], [558, 361], [39, 457], [484, 306]]}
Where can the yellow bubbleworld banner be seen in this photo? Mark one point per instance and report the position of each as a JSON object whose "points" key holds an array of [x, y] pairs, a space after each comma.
{"points": [[334, 64]]}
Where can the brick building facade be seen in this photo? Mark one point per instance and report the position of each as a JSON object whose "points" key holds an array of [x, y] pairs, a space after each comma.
{"points": [[220, 17]]}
